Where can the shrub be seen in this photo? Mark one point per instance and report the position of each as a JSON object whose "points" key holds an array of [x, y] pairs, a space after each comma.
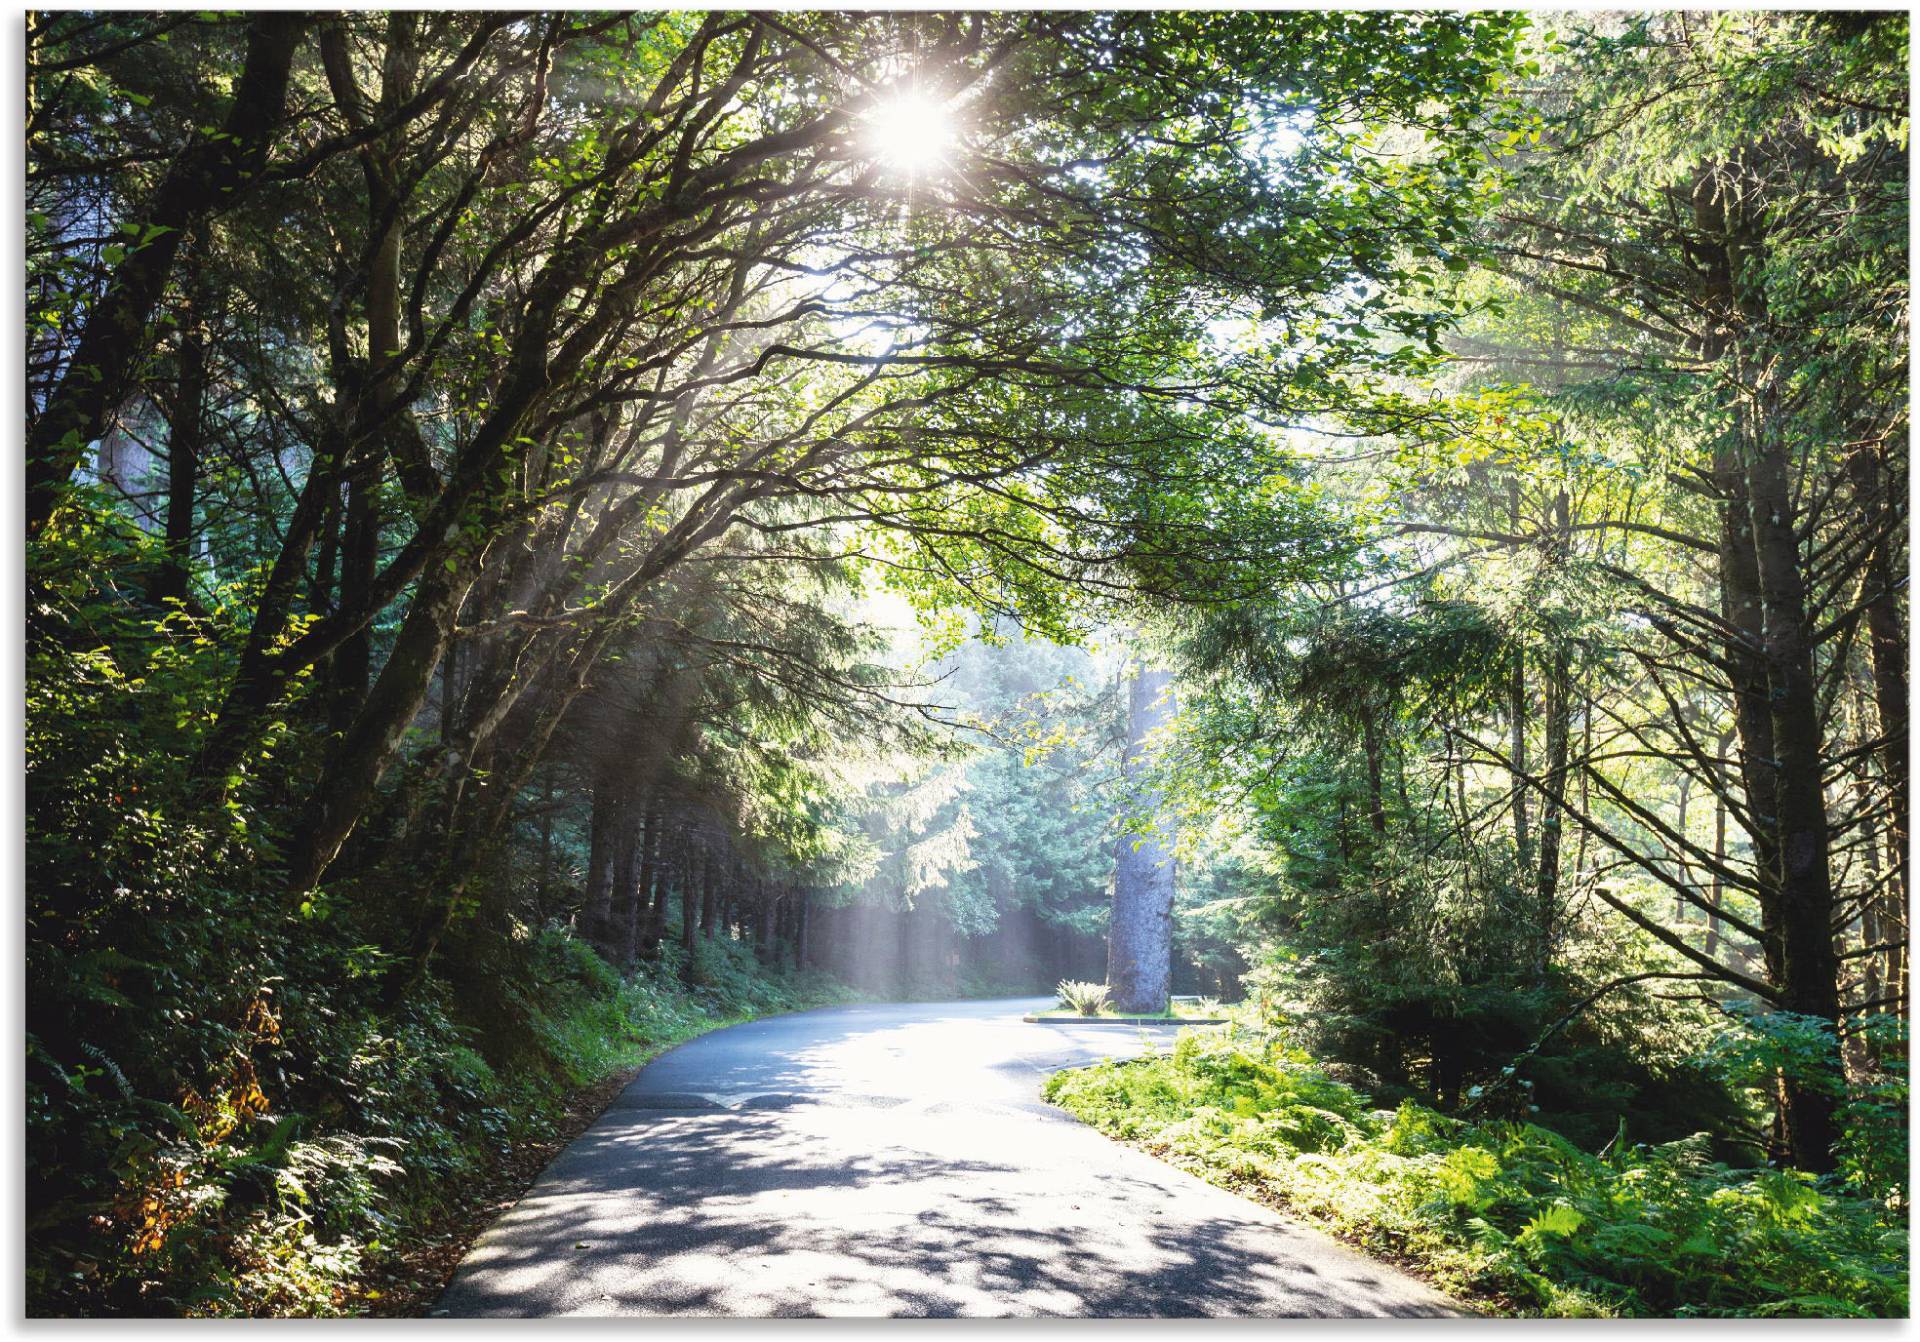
{"points": [[1089, 999], [1510, 1209]]}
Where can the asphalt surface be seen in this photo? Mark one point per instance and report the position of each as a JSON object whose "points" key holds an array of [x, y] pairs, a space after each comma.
{"points": [[894, 1161]]}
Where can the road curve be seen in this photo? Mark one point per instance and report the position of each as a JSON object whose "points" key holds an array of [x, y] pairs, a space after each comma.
{"points": [[894, 1161]]}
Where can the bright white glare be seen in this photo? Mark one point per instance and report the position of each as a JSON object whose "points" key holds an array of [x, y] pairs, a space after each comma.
{"points": [[912, 133]]}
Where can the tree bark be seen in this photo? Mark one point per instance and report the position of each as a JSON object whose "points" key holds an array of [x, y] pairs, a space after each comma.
{"points": [[609, 818], [186, 428], [1887, 646], [691, 881], [353, 661], [1517, 719], [710, 897], [1140, 931], [650, 902], [364, 751], [1558, 740], [1809, 965]]}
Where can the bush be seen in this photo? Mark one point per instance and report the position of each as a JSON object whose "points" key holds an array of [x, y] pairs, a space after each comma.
{"points": [[1508, 1209], [1089, 999]]}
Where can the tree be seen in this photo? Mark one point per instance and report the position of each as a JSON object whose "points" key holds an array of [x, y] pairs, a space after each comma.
{"points": [[1697, 245], [1140, 927]]}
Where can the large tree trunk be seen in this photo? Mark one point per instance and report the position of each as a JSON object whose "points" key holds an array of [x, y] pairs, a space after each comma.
{"points": [[801, 928], [1559, 733], [1810, 968], [692, 879], [659, 873], [379, 161], [710, 897], [1886, 630], [1770, 665], [363, 752], [1140, 931], [351, 666], [633, 879], [1878, 492], [610, 817]]}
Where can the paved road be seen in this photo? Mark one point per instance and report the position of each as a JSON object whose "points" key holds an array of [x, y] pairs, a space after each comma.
{"points": [[893, 1161]]}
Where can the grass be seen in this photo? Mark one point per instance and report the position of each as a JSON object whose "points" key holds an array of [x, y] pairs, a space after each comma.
{"points": [[1180, 1011], [1507, 1213]]}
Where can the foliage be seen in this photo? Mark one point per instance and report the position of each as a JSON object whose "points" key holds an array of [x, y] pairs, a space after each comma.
{"points": [[250, 1206], [229, 1116], [1088, 999], [1505, 1209]]}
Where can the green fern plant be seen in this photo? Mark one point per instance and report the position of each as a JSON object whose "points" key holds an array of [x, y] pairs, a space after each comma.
{"points": [[1089, 999]]}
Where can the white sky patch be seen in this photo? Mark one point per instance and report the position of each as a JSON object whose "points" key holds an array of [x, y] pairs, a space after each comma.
{"points": [[912, 133]]}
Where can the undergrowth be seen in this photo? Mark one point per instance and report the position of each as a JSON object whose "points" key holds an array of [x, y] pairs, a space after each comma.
{"points": [[239, 1206], [1508, 1210]]}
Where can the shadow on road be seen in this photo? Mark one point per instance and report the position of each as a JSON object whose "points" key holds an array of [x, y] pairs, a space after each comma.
{"points": [[844, 1210]]}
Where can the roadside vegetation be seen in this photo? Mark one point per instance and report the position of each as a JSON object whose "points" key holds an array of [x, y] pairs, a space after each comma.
{"points": [[1510, 1213], [1092, 1001], [385, 1128]]}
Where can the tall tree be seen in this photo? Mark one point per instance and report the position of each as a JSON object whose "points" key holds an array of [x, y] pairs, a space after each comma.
{"points": [[1140, 926]]}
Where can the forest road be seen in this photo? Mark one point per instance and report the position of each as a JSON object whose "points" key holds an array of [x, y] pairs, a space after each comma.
{"points": [[894, 1161]]}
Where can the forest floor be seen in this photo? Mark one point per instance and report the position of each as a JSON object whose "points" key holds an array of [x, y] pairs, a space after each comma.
{"points": [[894, 1161]]}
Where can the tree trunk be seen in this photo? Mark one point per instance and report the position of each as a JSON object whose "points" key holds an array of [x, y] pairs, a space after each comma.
{"points": [[1559, 735], [642, 931], [1680, 828], [609, 818], [1810, 968], [1887, 646], [1887, 636], [1140, 931], [186, 428], [1376, 772], [1517, 720], [362, 754], [353, 661], [351, 666], [691, 881], [543, 881], [710, 897], [1718, 890], [1770, 661]]}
